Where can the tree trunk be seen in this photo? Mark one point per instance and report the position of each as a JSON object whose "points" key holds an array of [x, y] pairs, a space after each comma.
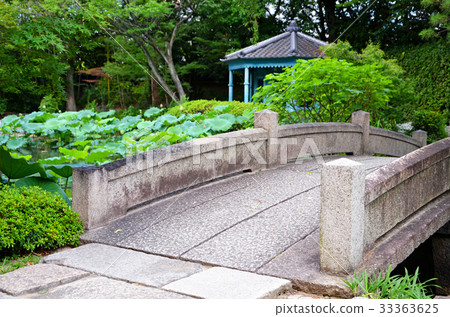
{"points": [[70, 93], [154, 70], [330, 18], [176, 79], [156, 98]]}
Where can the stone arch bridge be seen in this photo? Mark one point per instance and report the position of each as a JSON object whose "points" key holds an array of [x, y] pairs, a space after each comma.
{"points": [[310, 203]]}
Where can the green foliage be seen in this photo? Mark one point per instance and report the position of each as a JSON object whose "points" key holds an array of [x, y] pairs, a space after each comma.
{"points": [[323, 90], [87, 137], [40, 40], [49, 104], [236, 108], [431, 121], [31, 218], [22, 171], [402, 99], [390, 287], [11, 263], [439, 20], [428, 65]]}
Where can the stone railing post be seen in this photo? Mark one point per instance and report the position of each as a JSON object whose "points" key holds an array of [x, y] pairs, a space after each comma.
{"points": [[362, 118], [268, 120], [90, 196], [420, 136], [342, 216]]}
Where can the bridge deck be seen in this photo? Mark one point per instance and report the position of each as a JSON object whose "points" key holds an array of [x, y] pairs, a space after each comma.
{"points": [[265, 222]]}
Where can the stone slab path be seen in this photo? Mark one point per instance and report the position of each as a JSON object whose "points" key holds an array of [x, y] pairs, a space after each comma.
{"points": [[97, 271], [253, 235]]}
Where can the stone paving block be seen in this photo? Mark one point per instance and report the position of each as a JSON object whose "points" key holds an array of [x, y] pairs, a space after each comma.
{"points": [[300, 264], [174, 236], [224, 283], [104, 288], [147, 216], [125, 264], [253, 242], [35, 278]]}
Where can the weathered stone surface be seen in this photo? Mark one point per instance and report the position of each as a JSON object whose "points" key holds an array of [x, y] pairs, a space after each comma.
{"points": [[403, 168], [223, 283], [441, 261], [396, 246], [104, 288], [362, 119], [420, 136], [342, 216], [398, 189], [147, 216], [174, 236], [37, 277], [268, 120], [104, 193], [125, 264], [300, 264], [391, 143], [252, 243]]}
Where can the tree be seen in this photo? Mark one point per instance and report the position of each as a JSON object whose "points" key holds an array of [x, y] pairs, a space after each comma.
{"points": [[439, 20], [153, 26], [217, 29], [386, 22], [42, 42]]}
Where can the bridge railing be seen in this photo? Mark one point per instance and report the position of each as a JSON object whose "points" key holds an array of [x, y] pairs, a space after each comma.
{"points": [[358, 211], [104, 193]]}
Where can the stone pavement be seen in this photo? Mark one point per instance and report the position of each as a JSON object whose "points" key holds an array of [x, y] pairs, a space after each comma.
{"points": [[253, 235]]}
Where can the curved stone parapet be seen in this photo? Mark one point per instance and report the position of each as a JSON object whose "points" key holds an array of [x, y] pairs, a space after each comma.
{"points": [[322, 138], [397, 190], [391, 143]]}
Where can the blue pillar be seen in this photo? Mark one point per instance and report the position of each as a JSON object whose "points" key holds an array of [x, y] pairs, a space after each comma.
{"points": [[246, 85], [230, 86]]}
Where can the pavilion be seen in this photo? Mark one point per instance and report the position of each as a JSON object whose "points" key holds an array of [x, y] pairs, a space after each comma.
{"points": [[270, 56]]}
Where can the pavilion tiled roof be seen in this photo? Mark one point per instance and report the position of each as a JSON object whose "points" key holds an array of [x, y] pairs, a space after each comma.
{"points": [[291, 43]]}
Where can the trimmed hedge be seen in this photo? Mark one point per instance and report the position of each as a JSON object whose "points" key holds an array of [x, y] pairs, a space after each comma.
{"points": [[204, 106], [32, 218]]}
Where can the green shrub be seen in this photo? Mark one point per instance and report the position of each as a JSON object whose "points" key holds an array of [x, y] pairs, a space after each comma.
{"points": [[390, 287], [49, 104], [205, 106], [431, 121], [31, 218], [323, 90], [428, 65]]}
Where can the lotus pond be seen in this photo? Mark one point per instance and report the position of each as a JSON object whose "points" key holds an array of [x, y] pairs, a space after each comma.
{"points": [[41, 149], [89, 137]]}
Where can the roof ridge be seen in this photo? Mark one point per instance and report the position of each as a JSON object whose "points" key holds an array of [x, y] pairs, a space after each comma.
{"points": [[312, 38], [259, 45]]}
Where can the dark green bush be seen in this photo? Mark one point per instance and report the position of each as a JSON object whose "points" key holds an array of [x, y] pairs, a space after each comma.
{"points": [[431, 121], [205, 106], [428, 65], [31, 218]]}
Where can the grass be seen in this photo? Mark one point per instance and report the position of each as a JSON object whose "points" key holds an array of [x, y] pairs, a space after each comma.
{"points": [[14, 262], [390, 287]]}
